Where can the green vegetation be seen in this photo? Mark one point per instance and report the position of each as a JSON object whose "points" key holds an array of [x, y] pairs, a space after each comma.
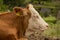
{"points": [[50, 19], [54, 29]]}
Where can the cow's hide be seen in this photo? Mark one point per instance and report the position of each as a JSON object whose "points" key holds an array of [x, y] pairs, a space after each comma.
{"points": [[12, 24]]}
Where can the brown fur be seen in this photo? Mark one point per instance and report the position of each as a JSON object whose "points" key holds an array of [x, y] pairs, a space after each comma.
{"points": [[13, 26]]}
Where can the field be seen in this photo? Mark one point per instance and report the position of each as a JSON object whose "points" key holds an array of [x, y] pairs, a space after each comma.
{"points": [[54, 27]]}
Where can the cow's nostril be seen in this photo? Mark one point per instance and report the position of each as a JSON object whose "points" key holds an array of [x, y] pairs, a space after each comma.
{"points": [[47, 26]]}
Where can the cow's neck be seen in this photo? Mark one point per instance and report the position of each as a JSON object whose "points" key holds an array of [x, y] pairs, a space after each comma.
{"points": [[21, 24], [8, 17]]}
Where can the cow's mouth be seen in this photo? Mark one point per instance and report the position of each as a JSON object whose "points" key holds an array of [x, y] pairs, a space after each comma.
{"points": [[42, 30]]}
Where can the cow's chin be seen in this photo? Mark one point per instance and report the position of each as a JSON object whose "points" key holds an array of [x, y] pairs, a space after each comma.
{"points": [[42, 30]]}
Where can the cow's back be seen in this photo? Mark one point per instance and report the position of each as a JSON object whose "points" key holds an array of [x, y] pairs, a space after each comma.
{"points": [[6, 27]]}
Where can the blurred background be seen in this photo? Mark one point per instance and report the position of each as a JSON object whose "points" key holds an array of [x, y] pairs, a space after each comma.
{"points": [[48, 9]]}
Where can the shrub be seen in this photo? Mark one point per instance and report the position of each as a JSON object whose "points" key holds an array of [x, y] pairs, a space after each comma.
{"points": [[50, 19]]}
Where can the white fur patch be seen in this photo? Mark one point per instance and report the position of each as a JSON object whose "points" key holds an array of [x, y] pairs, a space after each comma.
{"points": [[35, 23]]}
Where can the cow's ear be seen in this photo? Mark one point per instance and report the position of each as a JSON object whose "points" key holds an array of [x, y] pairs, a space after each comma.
{"points": [[27, 7], [17, 9]]}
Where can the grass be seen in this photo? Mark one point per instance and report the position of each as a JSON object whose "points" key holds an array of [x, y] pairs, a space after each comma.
{"points": [[50, 19], [54, 28]]}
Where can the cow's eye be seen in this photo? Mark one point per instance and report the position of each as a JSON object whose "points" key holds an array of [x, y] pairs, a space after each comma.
{"points": [[36, 16]]}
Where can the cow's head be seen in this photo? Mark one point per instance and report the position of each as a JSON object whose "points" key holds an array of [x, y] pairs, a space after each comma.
{"points": [[32, 18], [36, 20]]}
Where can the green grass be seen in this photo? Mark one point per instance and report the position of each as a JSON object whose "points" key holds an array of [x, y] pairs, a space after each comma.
{"points": [[54, 29], [50, 19]]}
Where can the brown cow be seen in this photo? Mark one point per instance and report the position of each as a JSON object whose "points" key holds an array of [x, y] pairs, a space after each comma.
{"points": [[13, 24]]}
